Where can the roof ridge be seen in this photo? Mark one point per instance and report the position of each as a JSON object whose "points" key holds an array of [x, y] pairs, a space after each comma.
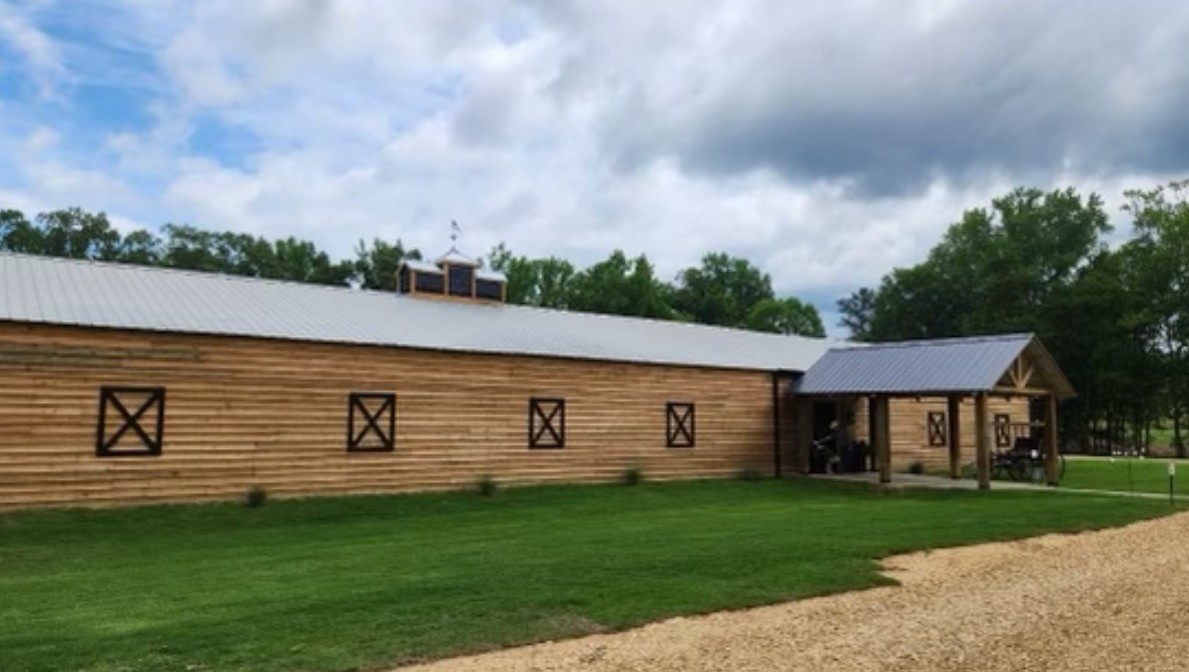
{"points": [[920, 342]]}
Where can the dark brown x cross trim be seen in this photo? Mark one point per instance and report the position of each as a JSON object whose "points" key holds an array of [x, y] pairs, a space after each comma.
{"points": [[936, 428], [380, 422], [546, 423], [134, 421], [679, 425]]}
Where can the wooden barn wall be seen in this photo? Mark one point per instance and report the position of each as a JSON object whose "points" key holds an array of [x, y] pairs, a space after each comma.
{"points": [[909, 431], [243, 411]]}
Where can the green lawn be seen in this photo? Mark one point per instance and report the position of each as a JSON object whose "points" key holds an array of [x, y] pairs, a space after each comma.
{"points": [[364, 582], [1124, 474]]}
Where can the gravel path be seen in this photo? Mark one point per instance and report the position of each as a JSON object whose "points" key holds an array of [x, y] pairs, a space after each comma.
{"points": [[1111, 600]]}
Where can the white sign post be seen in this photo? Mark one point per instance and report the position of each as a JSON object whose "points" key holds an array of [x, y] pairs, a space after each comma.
{"points": [[1172, 475]]}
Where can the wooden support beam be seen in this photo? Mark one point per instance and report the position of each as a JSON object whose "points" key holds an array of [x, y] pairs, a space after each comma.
{"points": [[953, 416], [882, 443], [1051, 439], [982, 441], [803, 431]]}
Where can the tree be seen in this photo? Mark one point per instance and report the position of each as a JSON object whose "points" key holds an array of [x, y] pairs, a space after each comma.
{"points": [[76, 234], [140, 247], [723, 290], [856, 312], [786, 316], [619, 286], [1161, 252], [376, 264], [18, 234]]}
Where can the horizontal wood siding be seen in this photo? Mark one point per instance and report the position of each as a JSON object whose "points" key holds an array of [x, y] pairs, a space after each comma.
{"points": [[910, 439], [243, 411]]}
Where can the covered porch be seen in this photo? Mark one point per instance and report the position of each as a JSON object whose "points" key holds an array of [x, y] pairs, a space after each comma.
{"points": [[962, 371]]}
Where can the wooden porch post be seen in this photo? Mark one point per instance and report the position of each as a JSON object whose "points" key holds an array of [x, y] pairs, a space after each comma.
{"points": [[882, 442], [981, 441], [803, 426], [953, 409], [1051, 441]]}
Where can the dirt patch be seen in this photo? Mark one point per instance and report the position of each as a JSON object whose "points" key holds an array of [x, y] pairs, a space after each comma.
{"points": [[1110, 600]]}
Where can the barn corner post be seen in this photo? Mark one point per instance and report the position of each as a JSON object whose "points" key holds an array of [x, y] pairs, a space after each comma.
{"points": [[981, 441], [953, 415], [1051, 439]]}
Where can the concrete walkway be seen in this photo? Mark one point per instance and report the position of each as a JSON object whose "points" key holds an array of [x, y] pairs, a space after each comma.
{"points": [[925, 481], [945, 483]]}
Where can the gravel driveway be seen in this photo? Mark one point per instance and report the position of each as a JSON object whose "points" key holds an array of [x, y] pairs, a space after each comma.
{"points": [[1111, 600]]}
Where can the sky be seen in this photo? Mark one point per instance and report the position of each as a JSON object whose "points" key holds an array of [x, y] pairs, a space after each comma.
{"points": [[828, 142]]}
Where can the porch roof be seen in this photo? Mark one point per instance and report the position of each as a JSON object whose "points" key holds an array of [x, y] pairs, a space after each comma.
{"points": [[1007, 364]]}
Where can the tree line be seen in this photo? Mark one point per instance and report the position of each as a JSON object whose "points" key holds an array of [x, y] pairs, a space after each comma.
{"points": [[1116, 316], [722, 290]]}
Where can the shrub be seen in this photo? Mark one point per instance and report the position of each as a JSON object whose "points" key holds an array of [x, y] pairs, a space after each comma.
{"points": [[255, 496], [486, 486], [916, 468], [631, 476], [749, 474]]}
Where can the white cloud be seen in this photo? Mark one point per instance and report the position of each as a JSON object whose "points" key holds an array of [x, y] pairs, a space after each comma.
{"points": [[42, 56], [579, 127]]}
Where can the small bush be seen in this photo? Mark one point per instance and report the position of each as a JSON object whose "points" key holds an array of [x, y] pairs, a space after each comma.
{"points": [[749, 474], [631, 476], [486, 486], [255, 496], [917, 468]]}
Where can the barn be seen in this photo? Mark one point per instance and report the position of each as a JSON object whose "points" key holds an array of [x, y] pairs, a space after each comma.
{"points": [[126, 384]]}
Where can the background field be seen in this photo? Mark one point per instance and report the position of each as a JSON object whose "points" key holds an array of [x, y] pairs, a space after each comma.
{"points": [[1124, 474], [337, 584]]}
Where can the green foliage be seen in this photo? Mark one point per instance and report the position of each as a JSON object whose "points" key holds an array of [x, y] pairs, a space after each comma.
{"points": [[370, 582], [631, 476], [786, 316], [255, 497], [723, 290], [486, 486], [376, 264], [856, 312]]}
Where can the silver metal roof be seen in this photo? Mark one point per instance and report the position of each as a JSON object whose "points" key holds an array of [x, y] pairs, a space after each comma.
{"points": [[968, 365], [91, 294]]}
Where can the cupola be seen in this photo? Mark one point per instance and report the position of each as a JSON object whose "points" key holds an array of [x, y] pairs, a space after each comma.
{"points": [[451, 276]]}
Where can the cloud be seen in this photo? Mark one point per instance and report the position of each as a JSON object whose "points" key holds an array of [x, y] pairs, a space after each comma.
{"points": [[40, 55], [828, 142]]}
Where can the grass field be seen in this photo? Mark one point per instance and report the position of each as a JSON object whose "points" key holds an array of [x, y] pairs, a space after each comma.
{"points": [[1124, 474], [364, 582]]}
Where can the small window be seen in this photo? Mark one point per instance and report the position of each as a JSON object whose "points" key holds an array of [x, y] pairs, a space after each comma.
{"points": [[124, 432], [371, 422], [430, 282], [936, 429], [1002, 430], [489, 289], [679, 425], [460, 280], [546, 423]]}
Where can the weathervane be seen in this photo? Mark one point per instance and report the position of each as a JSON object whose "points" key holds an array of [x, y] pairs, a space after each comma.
{"points": [[455, 231]]}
